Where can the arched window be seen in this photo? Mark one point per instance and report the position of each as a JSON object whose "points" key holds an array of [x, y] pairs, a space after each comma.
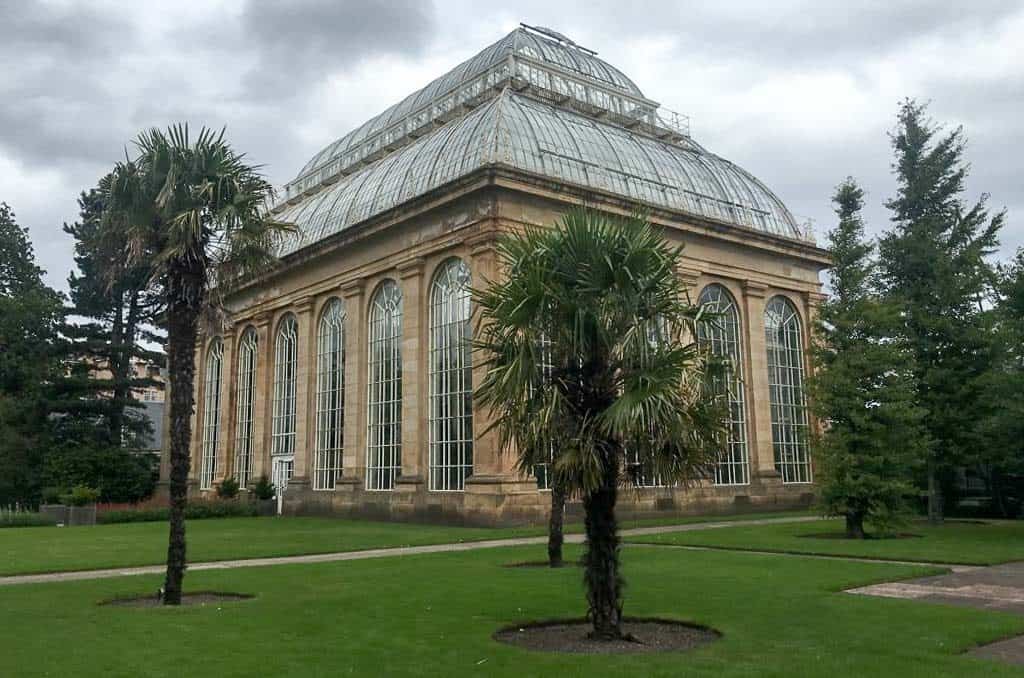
{"points": [[384, 397], [451, 378], [244, 416], [285, 360], [721, 335], [330, 396], [211, 414], [784, 339]]}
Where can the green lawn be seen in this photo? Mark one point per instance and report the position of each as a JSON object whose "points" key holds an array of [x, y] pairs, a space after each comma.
{"points": [[433, 615], [48, 549], [955, 542]]}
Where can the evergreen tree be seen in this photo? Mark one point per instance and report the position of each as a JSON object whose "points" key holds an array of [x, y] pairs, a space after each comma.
{"points": [[30, 315], [935, 269], [114, 313], [863, 388]]}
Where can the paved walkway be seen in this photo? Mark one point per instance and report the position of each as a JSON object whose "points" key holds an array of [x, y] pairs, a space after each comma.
{"points": [[1000, 587], [79, 575]]}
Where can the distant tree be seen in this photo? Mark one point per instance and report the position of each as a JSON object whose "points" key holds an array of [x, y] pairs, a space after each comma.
{"points": [[30, 315], [113, 315], [1002, 461], [863, 388], [604, 295], [934, 266], [195, 214]]}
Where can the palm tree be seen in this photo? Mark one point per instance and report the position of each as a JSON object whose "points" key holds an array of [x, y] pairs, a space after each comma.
{"points": [[592, 367], [196, 213]]}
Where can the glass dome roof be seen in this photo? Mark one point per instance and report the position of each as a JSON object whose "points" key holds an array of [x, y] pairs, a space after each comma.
{"points": [[520, 132]]}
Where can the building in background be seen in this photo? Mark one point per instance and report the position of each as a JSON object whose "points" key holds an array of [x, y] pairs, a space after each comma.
{"points": [[346, 375]]}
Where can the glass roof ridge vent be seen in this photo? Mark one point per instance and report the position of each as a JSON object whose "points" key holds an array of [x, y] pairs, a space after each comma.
{"points": [[541, 59]]}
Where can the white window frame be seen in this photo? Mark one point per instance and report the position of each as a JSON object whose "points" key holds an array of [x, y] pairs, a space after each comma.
{"points": [[384, 388], [784, 343], [330, 396], [286, 356], [248, 357], [451, 378], [211, 414]]}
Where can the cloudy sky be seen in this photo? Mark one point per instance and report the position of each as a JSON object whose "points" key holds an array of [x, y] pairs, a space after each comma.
{"points": [[800, 93]]}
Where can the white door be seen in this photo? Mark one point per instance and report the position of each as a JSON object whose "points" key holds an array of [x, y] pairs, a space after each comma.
{"points": [[281, 473]]}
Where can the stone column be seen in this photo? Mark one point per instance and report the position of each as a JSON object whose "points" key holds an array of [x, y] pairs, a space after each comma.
{"points": [[414, 376], [305, 376], [227, 410], [353, 456], [762, 456], [198, 392], [261, 424]]}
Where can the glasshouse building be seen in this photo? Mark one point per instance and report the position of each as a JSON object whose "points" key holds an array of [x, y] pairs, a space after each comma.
{"points": [[345, 374]]}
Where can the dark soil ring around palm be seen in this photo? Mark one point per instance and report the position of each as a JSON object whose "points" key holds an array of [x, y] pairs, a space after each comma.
{"points": [[543, 563], [570, 635], [195, 598], [868, 537]]}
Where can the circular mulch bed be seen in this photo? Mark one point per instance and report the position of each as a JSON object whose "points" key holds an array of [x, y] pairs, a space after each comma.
{"points": [[570, 635], [867, 537], [543, 564], [197, 598]]}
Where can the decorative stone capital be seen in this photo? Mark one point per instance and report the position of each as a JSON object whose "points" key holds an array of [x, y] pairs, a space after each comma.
{"points": [[262, 319], [352, 288], [689, 277], [482, 243], [757, 290], [304, 305], [410, 268]]}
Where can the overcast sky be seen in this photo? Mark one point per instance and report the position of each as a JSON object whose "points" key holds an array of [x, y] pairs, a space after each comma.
{"points": [[800, 93]]}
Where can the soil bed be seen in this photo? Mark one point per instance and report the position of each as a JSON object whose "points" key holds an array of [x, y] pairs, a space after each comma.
{"points": [[196, 598], [570, 635]]}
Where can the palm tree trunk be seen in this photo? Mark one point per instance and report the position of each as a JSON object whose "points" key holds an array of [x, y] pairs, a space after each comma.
{"points": [[604, 585], [855, 525], [181, 340], [556, 523], [935, 508]]}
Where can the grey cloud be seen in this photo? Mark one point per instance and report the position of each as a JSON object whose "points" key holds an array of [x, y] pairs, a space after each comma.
{"points": [[299, 42]]}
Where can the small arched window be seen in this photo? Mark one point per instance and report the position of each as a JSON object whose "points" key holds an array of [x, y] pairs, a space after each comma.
{"points": [[285, 364], [451, 378], [784, 340], [211, 414], [330, 396], [384, 383], [244, 416], [721, 336]]}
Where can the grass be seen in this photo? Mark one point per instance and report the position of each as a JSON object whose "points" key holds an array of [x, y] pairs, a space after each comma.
{"points": [[33, 550], [433, 615], [955, 542]]}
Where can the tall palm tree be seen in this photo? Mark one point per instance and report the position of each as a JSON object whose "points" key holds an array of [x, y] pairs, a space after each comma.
{"points": [[592, 366], [196, 213]]}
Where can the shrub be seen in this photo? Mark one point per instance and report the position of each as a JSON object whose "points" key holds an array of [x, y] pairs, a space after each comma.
{"points": [[53, 495], [263, 489], [228, 489], [82, 495], [21, 518], [198, 510]]}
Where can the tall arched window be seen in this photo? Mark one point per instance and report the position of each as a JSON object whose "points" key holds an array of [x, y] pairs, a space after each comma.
{"points": [[244, 416], [285, 361], [330, 396], [211, 414], [784, 339], [384, 397], [451, 378], [721, 335]]}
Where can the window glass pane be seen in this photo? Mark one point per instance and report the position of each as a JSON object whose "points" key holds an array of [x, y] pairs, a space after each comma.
{"points": [[784, 338], [211, 414], [384, 398], [330, 396], [244, 416]]}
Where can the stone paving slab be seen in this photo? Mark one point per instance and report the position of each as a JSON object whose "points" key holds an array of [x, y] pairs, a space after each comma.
{"points": [[79, 575], [1000, 587]]}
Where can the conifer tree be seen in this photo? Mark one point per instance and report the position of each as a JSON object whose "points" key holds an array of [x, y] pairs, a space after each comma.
{"points": [[30, 314], [935, 268], [863, 388]]}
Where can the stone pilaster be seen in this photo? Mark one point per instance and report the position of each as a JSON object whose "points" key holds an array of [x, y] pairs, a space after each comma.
{"points": [[305, 376], [261, 409], [762, 455], [353, 458], [227, 410], [414, 375]]}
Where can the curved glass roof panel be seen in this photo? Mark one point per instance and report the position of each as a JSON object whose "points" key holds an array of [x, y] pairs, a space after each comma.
{"points": [[522, 133]]}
